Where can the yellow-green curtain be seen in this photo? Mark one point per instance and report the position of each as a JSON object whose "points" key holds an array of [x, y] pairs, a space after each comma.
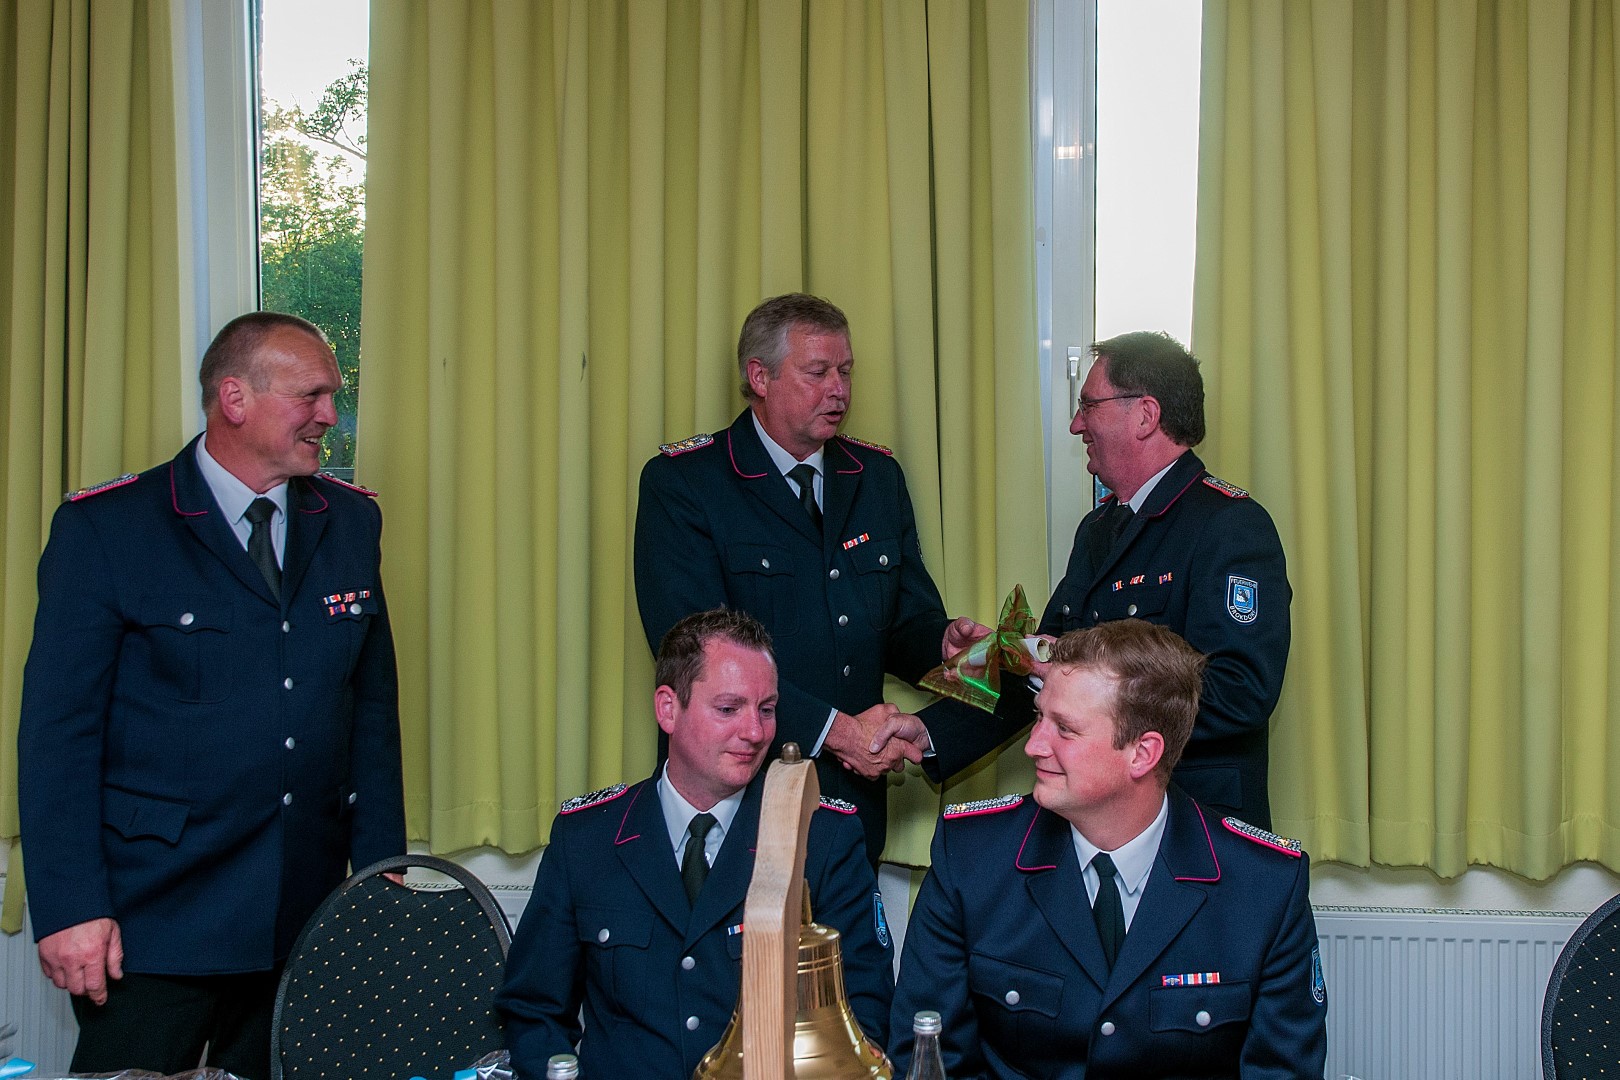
{"points": [[1407, 302], [90, 307], [571, 205]]}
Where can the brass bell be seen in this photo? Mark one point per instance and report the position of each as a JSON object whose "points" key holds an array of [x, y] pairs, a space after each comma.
{"points": [[827, 1042]]}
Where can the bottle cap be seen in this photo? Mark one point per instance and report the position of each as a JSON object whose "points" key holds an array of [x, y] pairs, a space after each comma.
{"points": [[926, 1023]]}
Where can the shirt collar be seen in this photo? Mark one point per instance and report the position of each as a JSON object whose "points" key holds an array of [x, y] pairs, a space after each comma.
{"points": [[780, 457], [678, 813], [233, 496], [1132, 859], [1146, 489]]}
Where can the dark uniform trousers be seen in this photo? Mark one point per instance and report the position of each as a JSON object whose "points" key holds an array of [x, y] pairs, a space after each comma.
{"points": [[198, 760], [609, 929], [1218, 976], [1203, 559], [718, 525]]}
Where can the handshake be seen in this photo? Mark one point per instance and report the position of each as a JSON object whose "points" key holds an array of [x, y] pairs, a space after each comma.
{"points": [[882, 739]]}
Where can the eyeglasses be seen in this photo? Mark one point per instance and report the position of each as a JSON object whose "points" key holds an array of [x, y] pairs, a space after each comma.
{"points": [[1087, 404]]}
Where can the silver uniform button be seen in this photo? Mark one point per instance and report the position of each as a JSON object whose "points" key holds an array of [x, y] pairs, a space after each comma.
{"points": [[1202, 1018], [1093, 616], [1131, 610], [843, 620], [602, 935], [1012, 997], [883, 560], [1065, 609], [354, 609], [286, 800], [353, 796], [846, 671], [691, 1023], [287, 682], [766, 563], [290, 743], [187, 619], [833, 573], [687, 963], [1107, 1027], [286, 627]]}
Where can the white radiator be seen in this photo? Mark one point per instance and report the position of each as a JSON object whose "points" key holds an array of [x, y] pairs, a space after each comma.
{"points": [[1412, 994], [1437, 995]]}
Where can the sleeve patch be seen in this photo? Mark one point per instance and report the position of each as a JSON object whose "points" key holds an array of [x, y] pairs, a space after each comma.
{"points": [[879, 447], [685, 446], [843, 806], [594, 798], [1231, 491], [983, 806], [1264, 838], [97, 489], [329, 478]]}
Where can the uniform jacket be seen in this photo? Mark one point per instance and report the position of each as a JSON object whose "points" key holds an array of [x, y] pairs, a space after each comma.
{"points": [[197, 760], [718, 525], [1002, 942], [609, 927]]}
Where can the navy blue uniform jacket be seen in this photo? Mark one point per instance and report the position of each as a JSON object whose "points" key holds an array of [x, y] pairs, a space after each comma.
{"points": [[1003, 944], [196, 760], [718, 525], [609, 927], [1203, 559]]}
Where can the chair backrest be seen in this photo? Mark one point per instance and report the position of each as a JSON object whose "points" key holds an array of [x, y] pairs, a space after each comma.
{"points": [[390, 981], [1580, 1017]]}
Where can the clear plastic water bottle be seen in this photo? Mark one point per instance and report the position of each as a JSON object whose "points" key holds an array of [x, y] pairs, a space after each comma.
{"points": [[926, 1063], [562, 1067]]}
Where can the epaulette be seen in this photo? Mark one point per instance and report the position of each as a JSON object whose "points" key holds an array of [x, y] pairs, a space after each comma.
{"points": [[983, 806], [843, 806], [346, 484], [1263, 837], [97, 489], [696, 442], [1231, 491], [879, 447], [594, 798]]}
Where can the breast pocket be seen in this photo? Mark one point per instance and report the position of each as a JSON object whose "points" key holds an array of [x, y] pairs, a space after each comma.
{"points": [[761, 583], [877, 576], [616, 944], [1198, 1009], [1135, 597], [350, 611], [188, 642], [1016, 1003]]}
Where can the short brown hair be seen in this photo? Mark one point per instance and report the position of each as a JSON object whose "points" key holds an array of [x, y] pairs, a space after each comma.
{"points": [[234, 352], [765, 331], [1157, 678], [680, 654]]}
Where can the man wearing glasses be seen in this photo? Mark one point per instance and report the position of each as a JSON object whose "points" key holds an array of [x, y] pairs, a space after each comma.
{"points": [[1175, 546]]}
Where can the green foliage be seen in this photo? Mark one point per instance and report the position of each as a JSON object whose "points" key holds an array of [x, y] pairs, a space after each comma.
{"points": [[340, 118], [311, 231]]}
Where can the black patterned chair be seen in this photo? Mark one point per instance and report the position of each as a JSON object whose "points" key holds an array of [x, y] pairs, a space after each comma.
{"points": [[390, 981], [1580, 1020]]}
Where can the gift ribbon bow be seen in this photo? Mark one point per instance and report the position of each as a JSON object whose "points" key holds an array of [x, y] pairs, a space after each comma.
{"points": [[973, 675]]}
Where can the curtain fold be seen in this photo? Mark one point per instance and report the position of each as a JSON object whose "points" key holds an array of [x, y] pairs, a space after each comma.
{"points": [[1406, 300], [571, 206], [90, 289]]}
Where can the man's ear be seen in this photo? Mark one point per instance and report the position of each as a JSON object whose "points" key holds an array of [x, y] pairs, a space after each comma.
{"points": [[234, 394], [665, 706], [1149, 751], [758, 378], [1150, 416]]}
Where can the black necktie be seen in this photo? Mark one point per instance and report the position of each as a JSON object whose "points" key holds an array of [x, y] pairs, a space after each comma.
{"points": [[805, 476], [260, 548], [1107, 910], [1104, 534], [694, 865]]}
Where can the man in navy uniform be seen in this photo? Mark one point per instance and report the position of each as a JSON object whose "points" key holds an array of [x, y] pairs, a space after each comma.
{"points": [[811, 532], [210, 728], [637, 910], [1198, 957]]}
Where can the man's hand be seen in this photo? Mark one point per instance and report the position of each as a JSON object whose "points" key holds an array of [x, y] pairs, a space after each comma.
{"points": [[83, 957], [851, 739], [959, 635], [904, 728]]}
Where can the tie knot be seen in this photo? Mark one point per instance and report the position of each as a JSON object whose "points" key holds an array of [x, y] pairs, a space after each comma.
{"points": [[803, 474], [260, 510], [698, 828], [1104, 866]]}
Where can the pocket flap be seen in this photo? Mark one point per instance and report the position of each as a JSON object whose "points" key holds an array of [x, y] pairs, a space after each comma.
{"points": [[134, 816], [185, 614], [1014, 986], [757, 559], [876, 557], [611, 928], [1197, 1008]]}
